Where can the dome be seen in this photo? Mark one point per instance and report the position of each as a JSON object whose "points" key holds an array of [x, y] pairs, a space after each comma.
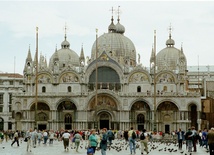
{"points": [[65, 56], [169, 57], [120, 28], [116, 45]]}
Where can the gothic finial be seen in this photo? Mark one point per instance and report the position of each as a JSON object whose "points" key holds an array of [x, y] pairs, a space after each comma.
{"points": [[65, 31], [170, 30], [118, 13]]}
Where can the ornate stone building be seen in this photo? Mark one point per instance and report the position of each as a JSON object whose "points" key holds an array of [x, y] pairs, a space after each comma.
{"points": [[125, 96]]}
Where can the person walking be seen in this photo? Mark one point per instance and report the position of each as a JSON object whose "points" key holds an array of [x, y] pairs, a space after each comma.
{"points": [[34, 137], [28, 136], [77, 137], [45, 136], [194, 138], [92, 140], [189, 140], [51, 136], [180, 135], [65, 138], [39, 134], [144, 141], [103, 142], [16, 138], [110, 135], [132, 138], [210, 137]]}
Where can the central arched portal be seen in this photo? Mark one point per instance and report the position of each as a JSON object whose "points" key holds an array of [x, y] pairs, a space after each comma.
{"points": [[104, 120]]}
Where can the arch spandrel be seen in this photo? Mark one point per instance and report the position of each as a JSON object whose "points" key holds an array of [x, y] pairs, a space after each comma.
{"points": [[44, 78], [138, 77], [68, 78], [66, 105], [165, 78], [103, 102], [167, 106], [140, 106]]}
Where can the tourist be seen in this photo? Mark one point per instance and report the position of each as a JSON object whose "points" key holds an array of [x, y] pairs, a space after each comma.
{"points": [[65, 138]]}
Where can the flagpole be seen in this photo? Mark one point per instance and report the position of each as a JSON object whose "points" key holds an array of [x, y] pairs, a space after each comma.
{"points": [[36, 81]]}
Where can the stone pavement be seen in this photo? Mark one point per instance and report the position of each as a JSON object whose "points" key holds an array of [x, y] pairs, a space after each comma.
{"points": [[58, 149]]}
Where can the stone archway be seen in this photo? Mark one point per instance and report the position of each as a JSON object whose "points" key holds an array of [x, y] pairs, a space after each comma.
{"points": [[66, 114], [42, 116], [192, 109], [104, 120], [140, 111], [167, 116], [1, 124]]}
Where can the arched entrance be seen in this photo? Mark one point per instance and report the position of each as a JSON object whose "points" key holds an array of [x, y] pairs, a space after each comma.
{"points": [[167, 113], [1, 123], [43, 111], [193, 115], [104, 118], [100, 114], [140, 121], [66, 112], [140, 111], [18, 118]]}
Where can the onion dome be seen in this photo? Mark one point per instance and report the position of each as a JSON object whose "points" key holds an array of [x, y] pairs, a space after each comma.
{"points": [[66, 57], [120, 28], [168, 58]]}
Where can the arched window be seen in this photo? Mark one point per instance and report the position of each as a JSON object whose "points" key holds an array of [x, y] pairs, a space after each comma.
{"points": [[165, 88], [43, 89], [69, 89], [67, 118], [140, 118], [139, 89]]}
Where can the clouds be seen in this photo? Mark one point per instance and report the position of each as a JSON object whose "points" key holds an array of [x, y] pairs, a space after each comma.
{"points": [[192, 22]]}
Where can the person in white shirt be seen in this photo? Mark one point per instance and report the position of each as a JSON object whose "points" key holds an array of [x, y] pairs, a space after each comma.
{"points": [[144, 141], [65, 138], [45, 136]]}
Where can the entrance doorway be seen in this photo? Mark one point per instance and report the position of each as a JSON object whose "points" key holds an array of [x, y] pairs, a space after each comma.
{"points": [[67, 126], [140, 127], [42, 126], [104, 124], [167, 129]]}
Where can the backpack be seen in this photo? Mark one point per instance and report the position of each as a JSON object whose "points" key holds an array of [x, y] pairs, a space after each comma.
{"points": [[142, 136], [134, 135]]}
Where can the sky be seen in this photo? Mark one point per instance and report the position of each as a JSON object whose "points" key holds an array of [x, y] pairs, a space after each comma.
{"points": [[192, 25]]}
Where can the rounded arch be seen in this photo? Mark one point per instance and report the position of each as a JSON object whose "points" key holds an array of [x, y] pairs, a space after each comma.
{"points": [[193, 103], [66, 104], [1, 123], [40, 106], [140, 105], [113, 66], [167, 106], [104, 101], [166, 77], [166, 101], [69, 77], [138, 77], [140, 118], [18, 116], [44, 77], [140, 102], [107, 92]]}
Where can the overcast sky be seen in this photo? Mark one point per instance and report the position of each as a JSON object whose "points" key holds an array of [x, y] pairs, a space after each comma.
{"points": [[192, 23]]}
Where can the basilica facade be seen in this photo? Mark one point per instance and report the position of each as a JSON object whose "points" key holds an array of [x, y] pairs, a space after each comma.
{"points": [[110, 89]]}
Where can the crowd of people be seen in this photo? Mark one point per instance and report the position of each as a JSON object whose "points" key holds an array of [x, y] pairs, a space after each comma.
{"points": [[103, 138]]}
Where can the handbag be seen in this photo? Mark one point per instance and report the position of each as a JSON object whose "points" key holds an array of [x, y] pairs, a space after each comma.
{"points": [[73, 140], [26, 139]]}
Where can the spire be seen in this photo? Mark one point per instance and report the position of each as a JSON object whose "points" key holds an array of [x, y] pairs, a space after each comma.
{"points": [[65, 43], [118, 14], [170, 42], [29, 58], [65, 31], [82, 53], [111, 27], [152, 55], [82, 57]]}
